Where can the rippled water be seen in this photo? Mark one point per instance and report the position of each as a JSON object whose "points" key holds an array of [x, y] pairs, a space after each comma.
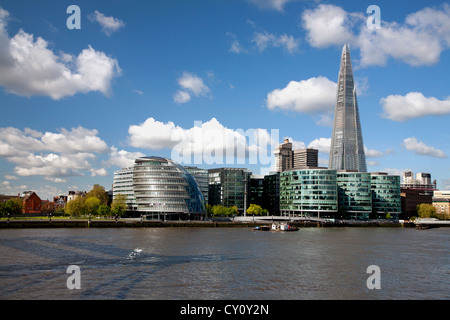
{"points": [[225, 263]]}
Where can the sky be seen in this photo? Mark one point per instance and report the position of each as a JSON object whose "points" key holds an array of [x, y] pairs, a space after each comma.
{"points": [[214, 83]]}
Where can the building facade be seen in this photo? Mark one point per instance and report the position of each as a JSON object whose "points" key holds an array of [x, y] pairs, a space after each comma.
{"points": [[302, 158], [347, 147], [160, 188], [271, 193], [229, 187], [202, 178], [441, 201], [31, 202], [386, 197], [355, 195], [283, 156], [309, 193]]}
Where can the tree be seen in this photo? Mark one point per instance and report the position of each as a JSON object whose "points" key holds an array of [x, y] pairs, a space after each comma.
{"points": [[3, 211], [103, 210], [92, 204], [255, 210], [76, 207], [99, 192], [14, 206], [48, 208], [119, 205], [425, 210]]}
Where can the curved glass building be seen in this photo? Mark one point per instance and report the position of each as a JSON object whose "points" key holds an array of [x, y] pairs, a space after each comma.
{"points": [[164, 188]]}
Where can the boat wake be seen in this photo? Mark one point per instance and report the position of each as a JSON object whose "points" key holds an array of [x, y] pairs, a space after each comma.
{"points": [[136, 252]]}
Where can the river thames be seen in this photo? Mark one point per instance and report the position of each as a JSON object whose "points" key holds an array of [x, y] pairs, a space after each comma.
{"points": [[224, 264]]}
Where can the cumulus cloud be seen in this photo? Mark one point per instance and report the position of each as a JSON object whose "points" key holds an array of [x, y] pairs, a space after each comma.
{"points": [[190, 84], [419, 40], [28, 67], [413, 105], [109, 25], [123, 158], [54, 155], [311, 96], [420, 148], [208, 142]]}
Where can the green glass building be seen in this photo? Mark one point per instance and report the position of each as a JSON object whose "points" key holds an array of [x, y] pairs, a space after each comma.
{"points": [[386, 196], [355, 196], [309, 193]]}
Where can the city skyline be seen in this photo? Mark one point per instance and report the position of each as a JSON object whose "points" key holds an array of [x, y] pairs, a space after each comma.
{"points": [[138, 78]]}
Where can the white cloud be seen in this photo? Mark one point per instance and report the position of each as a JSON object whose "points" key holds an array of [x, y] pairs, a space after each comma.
{"points": [[52, 155], [321, 144], [123, 158], [28, 67], [206, 142], [327, 25], [236, 46], [264, 40], [11, 177], [190, 84], [109, 25], [418, 41], [413, 105], [420, 148], [312, 96], [270, 4]]}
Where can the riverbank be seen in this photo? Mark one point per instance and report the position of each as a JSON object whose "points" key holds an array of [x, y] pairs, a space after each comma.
{"points": [[124, 223]]}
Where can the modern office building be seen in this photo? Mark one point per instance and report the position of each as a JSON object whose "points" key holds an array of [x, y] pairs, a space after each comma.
{"points": [[271, 193], [355, 195], [302, 158], [386, 196], [309, 193], [256, 190], [229, 187], [202, 177], [347, 147], [123, 184], [160, 188], [283, 156], [411, 198], [286, 158]]}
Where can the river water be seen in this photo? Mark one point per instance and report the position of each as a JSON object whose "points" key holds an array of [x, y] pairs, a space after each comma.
{"points": [[224, 263]]}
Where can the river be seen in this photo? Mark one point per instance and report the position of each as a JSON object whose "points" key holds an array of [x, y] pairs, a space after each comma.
{"points": [[224, 263]]}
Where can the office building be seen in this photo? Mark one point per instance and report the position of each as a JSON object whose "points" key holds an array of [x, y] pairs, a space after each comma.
{"points": [[441, 201], [309, 193], [385, 194], [256, 190], [229, 187], [283, 156], [347, 147], [303, 158], [202, 178], [160, 188], [355, 195], [271, 193]]}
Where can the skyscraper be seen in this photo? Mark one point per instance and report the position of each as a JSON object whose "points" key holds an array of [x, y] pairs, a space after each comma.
{"points": [[347, 147]]}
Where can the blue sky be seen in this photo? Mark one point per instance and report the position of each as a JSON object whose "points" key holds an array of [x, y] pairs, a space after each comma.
{"points": [[204, 76]]}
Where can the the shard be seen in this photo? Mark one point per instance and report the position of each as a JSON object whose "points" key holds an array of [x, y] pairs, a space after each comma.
{"points": [[347, 147]]}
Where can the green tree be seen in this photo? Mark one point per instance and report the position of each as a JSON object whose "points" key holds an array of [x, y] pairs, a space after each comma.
{"points": [[209, 210], [92, 204], [119, 205], [425, 210], [103, 210], [254, 210], [3, 211], [14, 206], [76, 207], [99, 192]]}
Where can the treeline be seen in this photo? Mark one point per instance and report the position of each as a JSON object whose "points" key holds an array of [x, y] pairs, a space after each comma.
{"points": [[12, 206], [222, 211], [95, 202]]}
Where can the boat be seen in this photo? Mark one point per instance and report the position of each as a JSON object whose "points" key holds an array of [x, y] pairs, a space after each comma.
{"points": [[283, 227], [262, 228]]}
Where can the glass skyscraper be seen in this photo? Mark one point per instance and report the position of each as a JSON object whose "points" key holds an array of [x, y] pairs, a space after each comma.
{"points": [[347, 147]]}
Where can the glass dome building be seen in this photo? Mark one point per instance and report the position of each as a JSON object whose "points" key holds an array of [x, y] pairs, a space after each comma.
{"points": [[163, 188]]}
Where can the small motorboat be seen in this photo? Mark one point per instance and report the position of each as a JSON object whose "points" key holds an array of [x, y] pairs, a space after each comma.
{"points": [[262, 228]]}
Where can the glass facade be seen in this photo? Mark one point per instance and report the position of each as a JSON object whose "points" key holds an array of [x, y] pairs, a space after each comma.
{"points": [[228, 187], [309, 192], [386, 196], [161, 186], [347, 147], [271, 193], [355, 196], [202, 178]]}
